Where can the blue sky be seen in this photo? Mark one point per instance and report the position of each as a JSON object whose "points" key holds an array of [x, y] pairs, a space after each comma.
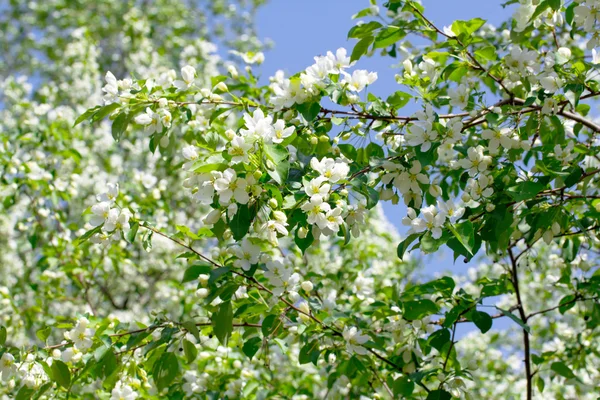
{"points": [[304, 29]]}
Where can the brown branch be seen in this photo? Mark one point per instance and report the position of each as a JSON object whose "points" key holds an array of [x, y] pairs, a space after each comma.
{"points": [[521, 309]]}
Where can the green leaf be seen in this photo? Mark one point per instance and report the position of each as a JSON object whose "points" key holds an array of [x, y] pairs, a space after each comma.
{"points": [[481, 319], [191, 327], [42, 333], [569, 13], [104, 111], [81, 239], [309, 110], [566, 303], [439, 394], [445, 285], [525, 190], [361, 48], [130, 237], [222, 322], [467, 28], [165, 370], [398, 99], [487, 53], [202, 167], [543, 6], [86, 115], [25, 393], [119, 125], [465, 234], [271, 325], [309, 353], [61, 373], [190, 351], [555, 4], [241, 221], [362, 30], [348, 151], [388, 36], [403, 246], [562, 369], [439, 338], [417, 309], [516, 319], [193, 272], [251, 346], [3, 335], [403, 387]]}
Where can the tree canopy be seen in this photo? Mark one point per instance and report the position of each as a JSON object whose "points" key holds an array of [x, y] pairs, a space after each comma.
{"points": [[172, 227]]}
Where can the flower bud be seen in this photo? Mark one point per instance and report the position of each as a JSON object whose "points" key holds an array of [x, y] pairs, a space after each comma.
{"points": [[202, 293], [203, 279], [232, 71], [489, 207], [323, 138], [164, 141], [163, 103], [344, 192], [331, 358], [273, 203], [230, 134], [314, 140], [302, 232], [222, 87], [212, 217], [307, 286], [257, 174]]}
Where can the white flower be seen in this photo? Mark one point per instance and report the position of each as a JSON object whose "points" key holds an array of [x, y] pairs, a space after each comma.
{"points": [[363, 286], [476, 161], [502, 137], [316, 210], [7, 366], [421, 134], [123, 392], [259, 126], [354, 340], [431, 220], [188, 74], [408, 181], [117, 220], [330, 169], [314, 76], [453, 211], [317, 187], [280, 132], [340, 61], [151, 120], [459, 96], [247, 254], [273, 228], [359, 79], [111, 193], [238, 150], [551, 83], [282, 278], [111, 89], [480, 187], [333, 220], [81, 335], [101, 213], [229, 185]]}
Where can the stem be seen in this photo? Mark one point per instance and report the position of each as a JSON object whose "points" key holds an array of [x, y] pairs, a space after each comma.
{"points": [[521, 309]]}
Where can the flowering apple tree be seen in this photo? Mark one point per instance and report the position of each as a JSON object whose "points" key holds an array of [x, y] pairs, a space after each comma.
{"points": [[183, 231]]}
